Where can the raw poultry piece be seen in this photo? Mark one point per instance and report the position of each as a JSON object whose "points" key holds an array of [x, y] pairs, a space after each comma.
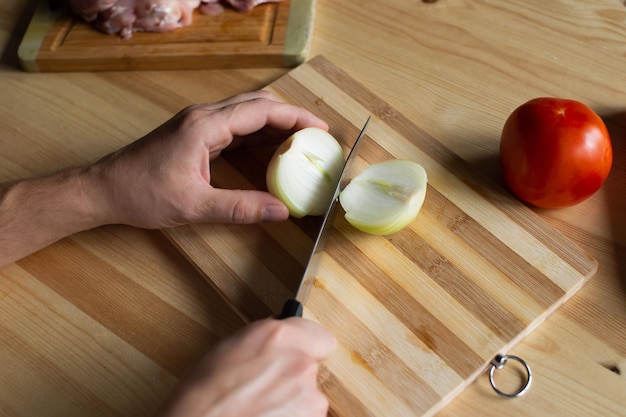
{"points": [[123, 17]]}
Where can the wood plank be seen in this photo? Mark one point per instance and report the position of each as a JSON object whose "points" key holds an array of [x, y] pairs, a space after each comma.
{"points": [[270, 35], [419, 314]]}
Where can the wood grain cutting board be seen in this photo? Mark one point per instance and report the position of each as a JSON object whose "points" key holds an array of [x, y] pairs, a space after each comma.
{"points": [[419, 314], [271, 35]]}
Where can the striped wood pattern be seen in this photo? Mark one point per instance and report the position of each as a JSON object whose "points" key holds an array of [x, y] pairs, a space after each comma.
{"points": [[418, 314]]}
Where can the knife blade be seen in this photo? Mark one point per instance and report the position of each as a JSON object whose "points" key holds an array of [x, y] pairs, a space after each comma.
{"points": [[293, 307]]}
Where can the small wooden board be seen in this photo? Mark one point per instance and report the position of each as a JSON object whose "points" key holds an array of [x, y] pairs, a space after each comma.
{"points": [[418, 314], [271, 35]]}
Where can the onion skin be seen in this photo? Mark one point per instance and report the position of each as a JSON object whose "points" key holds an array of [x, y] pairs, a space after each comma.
{"points": [[385, 197], [304, 170]]}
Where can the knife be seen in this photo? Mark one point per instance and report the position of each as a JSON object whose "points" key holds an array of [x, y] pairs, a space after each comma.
{"points": [[293, 307]]}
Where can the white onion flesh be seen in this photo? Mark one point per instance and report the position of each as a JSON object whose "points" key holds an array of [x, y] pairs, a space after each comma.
{"points": [[385, 197], [304, 170]]}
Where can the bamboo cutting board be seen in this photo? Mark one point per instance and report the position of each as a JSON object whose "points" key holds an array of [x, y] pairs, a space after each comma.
{"points": [[270, 35], [419, 314]]}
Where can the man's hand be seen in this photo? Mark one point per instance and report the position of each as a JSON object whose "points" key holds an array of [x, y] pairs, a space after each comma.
{"points": [[268, 369], [163, 179], [158, 181]]}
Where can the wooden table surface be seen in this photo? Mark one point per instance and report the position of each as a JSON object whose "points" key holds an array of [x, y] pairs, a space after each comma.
{"points": [[104, 322]]}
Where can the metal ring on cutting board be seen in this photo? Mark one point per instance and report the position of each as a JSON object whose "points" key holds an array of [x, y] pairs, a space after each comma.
{"points": [[498, 363]]}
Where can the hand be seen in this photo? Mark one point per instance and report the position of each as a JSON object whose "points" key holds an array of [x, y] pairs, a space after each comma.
{"points": [[163, 179], [268, 369]]}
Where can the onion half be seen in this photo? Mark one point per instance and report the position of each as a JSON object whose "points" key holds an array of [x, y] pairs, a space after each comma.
{"points": [[304, 170], [385, 197]]}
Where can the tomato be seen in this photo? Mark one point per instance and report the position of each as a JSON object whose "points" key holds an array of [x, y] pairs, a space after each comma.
{"points": [[554, 152]]}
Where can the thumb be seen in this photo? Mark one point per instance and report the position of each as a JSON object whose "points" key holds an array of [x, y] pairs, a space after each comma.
{"points": [[243, 207]]}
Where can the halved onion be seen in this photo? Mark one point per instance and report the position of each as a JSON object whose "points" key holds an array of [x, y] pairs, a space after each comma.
{"points": [[304, 170], [385, 197]]}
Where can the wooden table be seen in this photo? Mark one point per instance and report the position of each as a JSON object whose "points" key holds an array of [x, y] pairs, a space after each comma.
{"points": [[104, 322]]}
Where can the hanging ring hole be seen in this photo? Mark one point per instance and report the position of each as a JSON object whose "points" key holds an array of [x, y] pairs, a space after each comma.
{"points": [[498, 363]]}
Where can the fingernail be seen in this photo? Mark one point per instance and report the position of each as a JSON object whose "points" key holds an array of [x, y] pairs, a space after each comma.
{"points": [[275, 213]]}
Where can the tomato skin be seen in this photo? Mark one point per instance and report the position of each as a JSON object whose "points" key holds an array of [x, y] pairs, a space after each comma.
{"points": [[554, 152]]}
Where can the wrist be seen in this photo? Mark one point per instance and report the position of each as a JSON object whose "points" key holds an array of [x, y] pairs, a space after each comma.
{"points": [[39, 211], [62, 203], [96, 197]]}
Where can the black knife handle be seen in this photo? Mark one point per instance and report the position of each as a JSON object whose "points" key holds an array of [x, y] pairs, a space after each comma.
{"points": [[291, 308]]}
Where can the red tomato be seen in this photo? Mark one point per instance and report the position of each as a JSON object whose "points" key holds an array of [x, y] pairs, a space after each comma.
{"points": [[554, 152]]}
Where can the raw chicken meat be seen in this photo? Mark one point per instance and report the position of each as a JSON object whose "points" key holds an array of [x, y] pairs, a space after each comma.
{"points": [[123, 17]]}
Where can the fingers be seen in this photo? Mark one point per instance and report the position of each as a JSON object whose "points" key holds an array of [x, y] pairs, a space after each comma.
{"points": [[295, 333], [314, 340], [242, 207], [257, 116], [250, 116], [198, 135], [269, 367], [240, 98], [247, 113]]}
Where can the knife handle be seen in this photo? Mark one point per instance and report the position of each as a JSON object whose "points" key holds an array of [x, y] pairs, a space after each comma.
{"points": [[291, 308]]}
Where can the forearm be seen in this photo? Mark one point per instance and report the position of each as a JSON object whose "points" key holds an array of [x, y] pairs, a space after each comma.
{"points": [[39, 211]]}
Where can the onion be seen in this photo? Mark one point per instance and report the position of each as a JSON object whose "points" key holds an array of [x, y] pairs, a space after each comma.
{"points": [[304, 170], [385, 197]]}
